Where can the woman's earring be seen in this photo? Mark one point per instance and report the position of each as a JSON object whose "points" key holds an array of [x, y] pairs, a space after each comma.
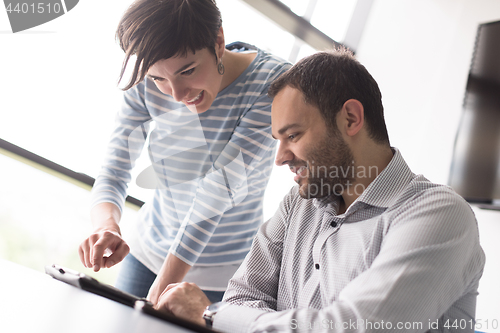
{"points": [[220, 68]]}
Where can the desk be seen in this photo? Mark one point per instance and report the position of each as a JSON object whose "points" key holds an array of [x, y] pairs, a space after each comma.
{"points": [[32, 301]]}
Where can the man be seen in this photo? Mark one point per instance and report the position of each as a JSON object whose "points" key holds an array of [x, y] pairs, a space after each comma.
{"points": [[362, 243]]}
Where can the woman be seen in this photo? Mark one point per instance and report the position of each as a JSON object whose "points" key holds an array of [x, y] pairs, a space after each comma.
{"points": [[207, 113]]}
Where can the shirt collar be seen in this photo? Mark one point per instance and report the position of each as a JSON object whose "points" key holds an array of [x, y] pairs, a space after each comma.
{"points": [[384, 189]]}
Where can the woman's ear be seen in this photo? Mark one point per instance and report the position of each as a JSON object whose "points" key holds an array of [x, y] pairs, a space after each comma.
{"points": [[220, 46], [354, 116]]}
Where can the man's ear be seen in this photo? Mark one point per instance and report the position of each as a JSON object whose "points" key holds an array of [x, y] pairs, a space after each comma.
{"points": [[354, 115]]}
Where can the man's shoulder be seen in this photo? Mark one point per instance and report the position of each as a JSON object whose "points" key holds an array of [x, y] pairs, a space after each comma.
{"points": [[422, 189], [401, 188], [424, 197]]}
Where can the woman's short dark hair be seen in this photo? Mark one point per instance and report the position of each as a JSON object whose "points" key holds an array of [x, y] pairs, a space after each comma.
{"points": [[328, 79], [153, 30]]}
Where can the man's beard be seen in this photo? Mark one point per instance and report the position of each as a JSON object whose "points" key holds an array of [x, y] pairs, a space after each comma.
{"points": [[330, 168]]}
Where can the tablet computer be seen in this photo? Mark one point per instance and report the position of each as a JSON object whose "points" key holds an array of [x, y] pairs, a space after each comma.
{"points": [[90, 284]]}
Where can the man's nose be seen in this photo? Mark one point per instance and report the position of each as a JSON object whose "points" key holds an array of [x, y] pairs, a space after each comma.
{"points": [[284, 155]]}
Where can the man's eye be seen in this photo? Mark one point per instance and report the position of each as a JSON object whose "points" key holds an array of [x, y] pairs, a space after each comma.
{"points": [[291, 136]]}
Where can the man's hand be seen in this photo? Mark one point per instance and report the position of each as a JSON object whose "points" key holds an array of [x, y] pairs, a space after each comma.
{"points": [[184, 300], [172, 271]]}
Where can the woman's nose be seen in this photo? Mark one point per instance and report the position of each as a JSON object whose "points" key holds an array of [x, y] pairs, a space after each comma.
{"points": [[176, 90], [179, 92]]}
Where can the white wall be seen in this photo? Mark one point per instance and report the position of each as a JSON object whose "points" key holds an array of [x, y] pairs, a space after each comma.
{"points": [[419, 51]]}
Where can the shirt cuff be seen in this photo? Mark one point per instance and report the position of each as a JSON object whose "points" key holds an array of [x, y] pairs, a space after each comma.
{"points": [[235, 318]]}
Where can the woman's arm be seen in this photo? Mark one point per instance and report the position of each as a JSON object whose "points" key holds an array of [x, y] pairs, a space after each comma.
{"points": [[109, 191], [239, 174], [172, 271], [248, 153]]}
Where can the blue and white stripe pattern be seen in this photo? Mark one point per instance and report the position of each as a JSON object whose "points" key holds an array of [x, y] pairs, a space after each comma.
{"points": [[209, 170]]}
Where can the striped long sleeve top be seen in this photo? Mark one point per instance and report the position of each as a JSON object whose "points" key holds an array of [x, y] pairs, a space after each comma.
{"points": [[209, 171]]}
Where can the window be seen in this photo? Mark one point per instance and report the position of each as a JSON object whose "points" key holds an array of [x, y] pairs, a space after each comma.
{"points": [[59, 100], [43, 219]]}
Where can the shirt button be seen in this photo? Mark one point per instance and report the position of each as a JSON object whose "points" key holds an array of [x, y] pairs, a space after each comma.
{"points": [[317, 266], [333, 224]]}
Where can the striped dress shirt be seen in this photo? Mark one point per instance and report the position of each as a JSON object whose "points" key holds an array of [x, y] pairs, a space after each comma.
{"points": [[209, 172], [404, 257]]}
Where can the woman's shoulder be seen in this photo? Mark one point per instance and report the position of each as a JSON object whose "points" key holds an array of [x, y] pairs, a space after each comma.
{"points": [[263, 58], [254, 81], [241, 47]]}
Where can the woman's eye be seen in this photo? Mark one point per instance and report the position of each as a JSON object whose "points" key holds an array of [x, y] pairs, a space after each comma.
{"points": [[188, 72]]}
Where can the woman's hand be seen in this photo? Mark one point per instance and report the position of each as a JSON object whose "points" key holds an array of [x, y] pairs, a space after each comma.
{"points": [[105, 247]]}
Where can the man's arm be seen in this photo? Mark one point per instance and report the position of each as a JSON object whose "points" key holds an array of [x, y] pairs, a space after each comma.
{"points": [[251, 286], [253, 290], [429, 259]]}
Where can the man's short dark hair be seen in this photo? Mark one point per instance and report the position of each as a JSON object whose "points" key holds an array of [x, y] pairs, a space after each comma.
{"points": [[328, 79], [154, 30]]}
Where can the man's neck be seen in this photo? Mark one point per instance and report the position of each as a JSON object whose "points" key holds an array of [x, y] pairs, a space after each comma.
{"points": [[366, 170]]}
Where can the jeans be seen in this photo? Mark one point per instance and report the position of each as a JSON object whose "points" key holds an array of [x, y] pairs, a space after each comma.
{"points": [[136, 279]]}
